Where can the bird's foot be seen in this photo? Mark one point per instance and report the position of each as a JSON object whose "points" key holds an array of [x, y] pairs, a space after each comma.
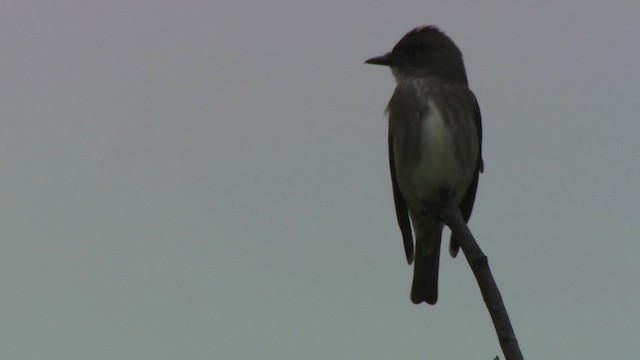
{"points": [[441, 210], [431, 210]]}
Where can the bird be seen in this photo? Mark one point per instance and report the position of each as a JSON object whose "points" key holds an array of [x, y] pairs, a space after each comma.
{"points": [[435, 146]]}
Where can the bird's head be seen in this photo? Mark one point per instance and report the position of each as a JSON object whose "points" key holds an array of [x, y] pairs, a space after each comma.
{"points": [[424, 52]]}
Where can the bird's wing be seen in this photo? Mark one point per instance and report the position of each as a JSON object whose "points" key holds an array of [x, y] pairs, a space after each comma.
{"points": [[402, 212], [466, 204]]}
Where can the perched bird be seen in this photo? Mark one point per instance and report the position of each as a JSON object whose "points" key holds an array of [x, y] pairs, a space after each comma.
{"points": [[435, 137]]}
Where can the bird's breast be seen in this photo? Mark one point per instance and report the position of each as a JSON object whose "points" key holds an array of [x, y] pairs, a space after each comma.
{"points": [[445, 151]]}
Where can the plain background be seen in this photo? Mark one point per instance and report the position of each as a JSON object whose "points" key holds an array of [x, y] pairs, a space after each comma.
{"points": [[209, 180]]}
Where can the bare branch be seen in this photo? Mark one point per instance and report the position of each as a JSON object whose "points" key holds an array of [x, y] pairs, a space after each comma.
{"points": [[450, 215]]}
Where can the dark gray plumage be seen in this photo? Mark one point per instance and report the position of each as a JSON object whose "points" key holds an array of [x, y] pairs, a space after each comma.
{"points": [[435, 137]]}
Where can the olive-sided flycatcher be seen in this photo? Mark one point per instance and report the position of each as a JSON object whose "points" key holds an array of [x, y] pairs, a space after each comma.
{"points": [[435, 137]]}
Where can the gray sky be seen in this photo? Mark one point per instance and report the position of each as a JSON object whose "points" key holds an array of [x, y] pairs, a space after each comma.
{"points": [[209, 180]]}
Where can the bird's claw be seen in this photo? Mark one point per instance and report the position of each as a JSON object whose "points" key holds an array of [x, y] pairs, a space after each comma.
{"points": [[439, 211], [431, 210]]}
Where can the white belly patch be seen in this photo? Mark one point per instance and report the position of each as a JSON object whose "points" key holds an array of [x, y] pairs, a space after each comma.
{"points": [[438, 166]]}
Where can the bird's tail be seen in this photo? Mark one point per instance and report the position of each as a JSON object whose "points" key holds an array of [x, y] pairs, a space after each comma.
{"points": [[425, 271]]}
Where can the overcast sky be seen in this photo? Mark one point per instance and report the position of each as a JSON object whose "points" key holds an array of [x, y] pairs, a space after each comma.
{"points": [[209, 180]]}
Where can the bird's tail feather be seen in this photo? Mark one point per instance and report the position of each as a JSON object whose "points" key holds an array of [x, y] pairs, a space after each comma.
{"points": [[425, 271]]}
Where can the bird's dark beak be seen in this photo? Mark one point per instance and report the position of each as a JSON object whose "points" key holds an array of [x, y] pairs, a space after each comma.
{"points": [[386, 60]]}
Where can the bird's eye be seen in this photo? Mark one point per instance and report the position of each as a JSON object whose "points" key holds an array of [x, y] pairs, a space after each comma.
{"points": [[410, 51]]}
